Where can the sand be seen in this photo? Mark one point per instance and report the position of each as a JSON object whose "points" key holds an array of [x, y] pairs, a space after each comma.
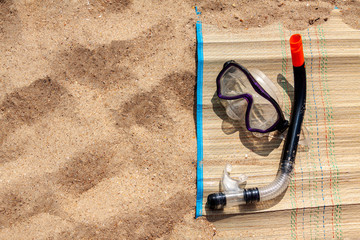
{"points": [[97, 130]]}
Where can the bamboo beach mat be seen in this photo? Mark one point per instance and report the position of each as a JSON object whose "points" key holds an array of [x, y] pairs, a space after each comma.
{"points": [[323, 198]]}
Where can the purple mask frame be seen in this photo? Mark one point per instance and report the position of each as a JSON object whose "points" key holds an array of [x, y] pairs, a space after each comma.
{"points": [[281, 124]]}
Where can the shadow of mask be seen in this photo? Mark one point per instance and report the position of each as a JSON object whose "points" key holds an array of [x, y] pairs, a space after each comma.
{"points": [[262, 146]]}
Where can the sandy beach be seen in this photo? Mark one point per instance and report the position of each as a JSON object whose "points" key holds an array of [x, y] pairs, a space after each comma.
{"points": [[97, 120]]}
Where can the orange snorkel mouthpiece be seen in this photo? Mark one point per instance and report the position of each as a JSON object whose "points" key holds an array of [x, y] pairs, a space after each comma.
{"points": [[297, 52]]}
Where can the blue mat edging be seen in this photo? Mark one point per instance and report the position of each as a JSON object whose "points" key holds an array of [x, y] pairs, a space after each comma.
{"points": [[199, 120]]}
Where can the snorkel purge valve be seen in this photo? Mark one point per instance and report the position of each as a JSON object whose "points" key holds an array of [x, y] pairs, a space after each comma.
{"points": [[233, 194]]}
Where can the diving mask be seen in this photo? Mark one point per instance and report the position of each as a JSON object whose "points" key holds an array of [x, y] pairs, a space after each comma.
{"points": [[250, 95]]}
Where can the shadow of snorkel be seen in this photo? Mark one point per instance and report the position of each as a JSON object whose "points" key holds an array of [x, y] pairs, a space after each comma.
{"points": [[286, 86]]}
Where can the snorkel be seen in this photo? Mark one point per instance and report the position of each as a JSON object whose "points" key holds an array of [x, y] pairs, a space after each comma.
{"points": [[237, 196]]}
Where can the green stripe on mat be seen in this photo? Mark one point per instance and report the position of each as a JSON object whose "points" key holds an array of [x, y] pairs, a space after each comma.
{"points": [[310, 157], [315, 141], [334, 171]]}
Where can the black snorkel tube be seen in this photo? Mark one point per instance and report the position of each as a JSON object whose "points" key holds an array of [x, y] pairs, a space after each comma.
{"points": [[281, 182]]}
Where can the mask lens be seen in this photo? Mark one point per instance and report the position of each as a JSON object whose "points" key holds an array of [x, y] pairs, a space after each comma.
{"points": [[234, 82], [237, 109], [263, 114]]}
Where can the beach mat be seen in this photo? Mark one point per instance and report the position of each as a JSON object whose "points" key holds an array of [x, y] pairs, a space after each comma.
{"points": [[322, 200]]}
